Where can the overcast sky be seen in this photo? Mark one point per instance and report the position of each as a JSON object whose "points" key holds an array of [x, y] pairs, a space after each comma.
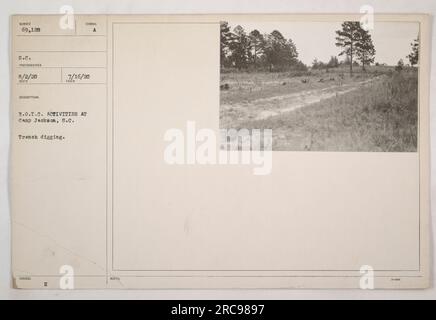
{"points": [[317, 39]]}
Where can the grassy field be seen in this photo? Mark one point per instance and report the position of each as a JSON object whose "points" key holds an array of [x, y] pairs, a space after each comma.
{"points": [[374, 110]]}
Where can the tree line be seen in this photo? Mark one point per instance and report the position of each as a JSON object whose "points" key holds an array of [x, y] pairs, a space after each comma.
{"points": [[254, 50], [272, 51]]}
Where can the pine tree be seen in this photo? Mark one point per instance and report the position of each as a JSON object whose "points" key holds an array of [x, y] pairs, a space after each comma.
{"points": [[257, 43], [279, 52], [348, 38], [414, 55], [240, 48], [225, 39], [365, 48]]}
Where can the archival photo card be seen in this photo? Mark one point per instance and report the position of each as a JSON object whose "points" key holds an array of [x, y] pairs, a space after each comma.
{"points": [[220, 151]]}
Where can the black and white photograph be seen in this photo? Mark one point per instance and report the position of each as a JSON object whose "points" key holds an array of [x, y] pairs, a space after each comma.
{"points": [[322, 86]]}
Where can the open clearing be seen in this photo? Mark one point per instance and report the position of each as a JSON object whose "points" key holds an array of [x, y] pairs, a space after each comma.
{"points": [[263, 108], [369, 111]]}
